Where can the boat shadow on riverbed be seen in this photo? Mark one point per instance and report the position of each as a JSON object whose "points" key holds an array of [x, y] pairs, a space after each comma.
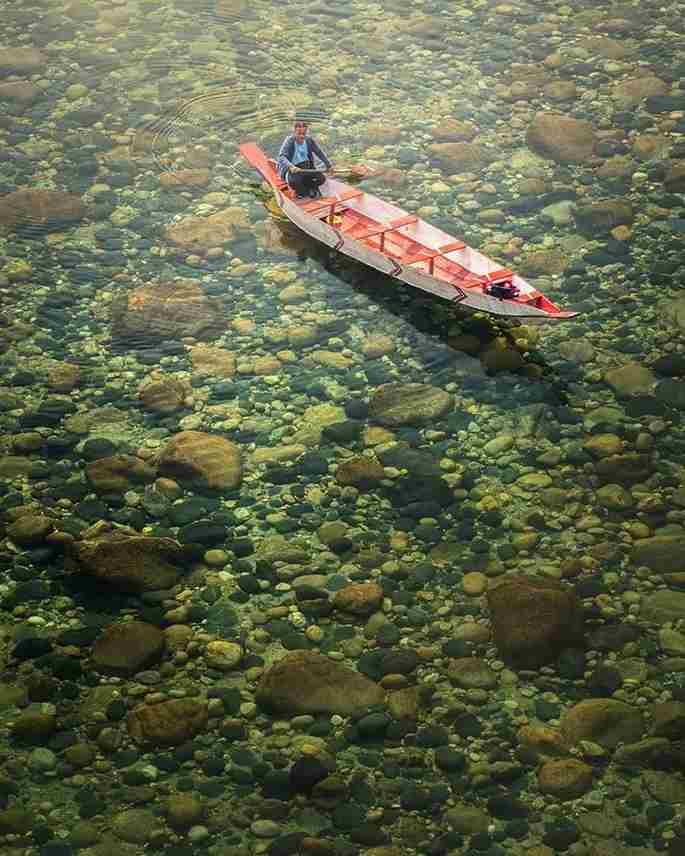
{"points": [[447, 343]]}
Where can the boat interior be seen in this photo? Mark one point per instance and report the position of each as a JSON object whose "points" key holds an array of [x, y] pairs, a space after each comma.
{"points": [[406, 239]]}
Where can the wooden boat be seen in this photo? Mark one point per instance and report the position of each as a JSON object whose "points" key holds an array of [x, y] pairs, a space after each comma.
{"points": [[407, 248]]}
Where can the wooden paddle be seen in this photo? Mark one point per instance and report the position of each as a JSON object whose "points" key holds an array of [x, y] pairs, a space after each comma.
{"points": [[353, 172]]}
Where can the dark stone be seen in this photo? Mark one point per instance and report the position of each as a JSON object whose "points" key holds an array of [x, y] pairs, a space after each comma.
{"points": [[415, 798], [369, 835], [286, 845], [507, 808], [432, 736], [613, 637], [31, 648], [449, 759], [468, 725], [604, 681], [306, 772], [561, 834], [373, 726]]}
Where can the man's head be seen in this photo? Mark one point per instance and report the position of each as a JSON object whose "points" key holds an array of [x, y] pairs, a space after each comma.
{"points": [[300, 129]]}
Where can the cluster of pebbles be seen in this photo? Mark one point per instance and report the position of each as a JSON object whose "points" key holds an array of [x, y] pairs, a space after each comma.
{"points": [[295, 562]]}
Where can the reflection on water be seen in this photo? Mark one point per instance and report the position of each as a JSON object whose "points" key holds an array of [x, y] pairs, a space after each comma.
{"points": [[294, 559]]}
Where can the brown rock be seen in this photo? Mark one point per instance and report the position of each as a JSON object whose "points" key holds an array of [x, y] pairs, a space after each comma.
{"points": [[34, 726], [30, 529], [626, 469], [185, 178], [362, 472], [602, 720], [457, 157], [674, 180], [382, 135], [599, 218], [48, 209], [164, 395], [454, 131], [649, 146], [565, 778], [561, 138], [472, 673], [64, 377], [214, 361], [21, 61], [540, 742], [168, 723], [653, 752], [533, 619], [618, 166], [20, 92], [133, 563], [202, 460], [668, 720], [359, 598], [118, 473], [128, 647], [544, 262], [183, 811], [633, 90], [200, 234], [307, 682], [560, 90], [397, 404], [166, 310]]}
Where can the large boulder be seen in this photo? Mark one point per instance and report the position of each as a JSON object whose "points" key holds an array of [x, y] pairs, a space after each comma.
{"points": [[533, 619], [202, 460], [561, 138], [21, 61], [458, 157], [606, 721], [128, 647], [39, 208], [661, 553], [599, 218], [118, 473], [168, 723], [307, 682], [130, 562], [166, 310], [397, 404], [200, 234]]}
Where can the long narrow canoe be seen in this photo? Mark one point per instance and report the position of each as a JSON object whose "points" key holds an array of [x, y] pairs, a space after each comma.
{"points": [[407, 248]]}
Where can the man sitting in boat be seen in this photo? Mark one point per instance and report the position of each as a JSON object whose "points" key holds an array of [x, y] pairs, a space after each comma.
{"points": [[296, 162], [504, 290]]}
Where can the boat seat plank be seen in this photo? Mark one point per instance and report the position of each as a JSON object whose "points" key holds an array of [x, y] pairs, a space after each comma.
{"points": [[452, 248], [501, 273], [330, 204], [390, 226], [430, 255]]}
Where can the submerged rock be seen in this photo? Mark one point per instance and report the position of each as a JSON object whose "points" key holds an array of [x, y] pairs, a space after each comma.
{"points": [[534, 619], [307, 682], [202, 460], [561, 138], [397, 404], [129, 562], [118, 473], [168, 723], [605, 721], [166, 310], [47, 209], [128, 647]]}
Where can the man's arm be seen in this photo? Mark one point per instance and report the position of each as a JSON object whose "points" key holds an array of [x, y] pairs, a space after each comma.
{"points": [[283, 163], [320, 154]]}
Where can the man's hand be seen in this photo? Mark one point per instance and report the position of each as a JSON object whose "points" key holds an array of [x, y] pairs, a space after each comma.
{"points": [[294, 168]]}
